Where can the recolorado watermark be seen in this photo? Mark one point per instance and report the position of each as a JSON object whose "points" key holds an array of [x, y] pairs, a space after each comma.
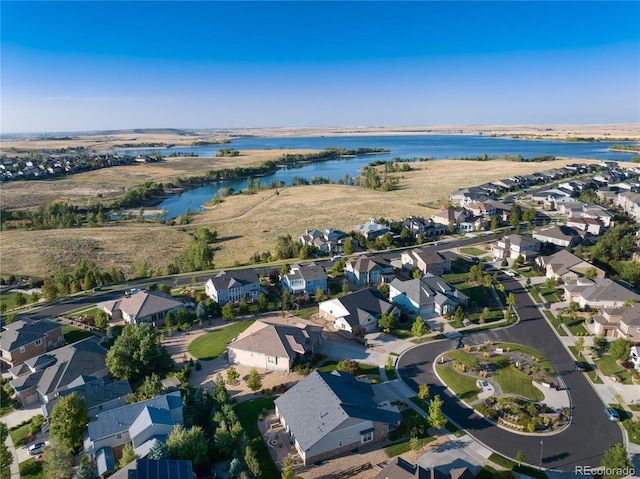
{"points": [[604, 471]]}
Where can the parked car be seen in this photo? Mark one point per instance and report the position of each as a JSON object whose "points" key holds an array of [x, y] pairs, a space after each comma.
{"points": [[37, 448], [510, 273], [579, 366], [612, 414]]}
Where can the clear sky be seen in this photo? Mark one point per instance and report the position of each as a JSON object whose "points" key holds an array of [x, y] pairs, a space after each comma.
{"points": [[78, 66]]}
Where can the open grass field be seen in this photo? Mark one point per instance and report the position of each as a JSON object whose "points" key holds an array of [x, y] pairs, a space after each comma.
{"points": [[245, 223], [212, 344]]}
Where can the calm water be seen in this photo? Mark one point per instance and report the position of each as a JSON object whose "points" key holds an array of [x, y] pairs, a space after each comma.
{"points": [[414, 146]]}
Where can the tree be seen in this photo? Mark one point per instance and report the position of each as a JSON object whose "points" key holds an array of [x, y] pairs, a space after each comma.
{"points": [[232, 375], [620, 349], [520, 457], [436, 418], [614, 460], [251, 460], [417, 274], [128, 455], [192, 445], [319, 296], [515, 215], [137, 353], [228, 312], [287, 469], [101, 319], [423, 392], [85, 472], [286, 300], [511, 300], [579, 345], [349, 366], [495, 222], [358, 331], [202, 312], [529, 215], [253, 381], [20, 299], [262, 302], [158, 451], [345, 286], [347, 247], [591, 273], [141, 269], [69, 419], [200, 253], [387, 322], [419, 328], [58, 460], [600, 342], [6, 458]]}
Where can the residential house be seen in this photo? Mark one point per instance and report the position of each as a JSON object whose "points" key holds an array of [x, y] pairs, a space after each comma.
{"points": [[366, 271], [233, 286], [305, 279], [566, 266], [448, 216], [590, 226], [465, 196], [598, 293], [22, 340], [362, 308], [328, 241], [141, 307], [399, 468], [630, 203], [138, 423], [423, 227], [274, 346], [432, 262], [597, 212], [327, 414], [99, 394], [558, 235], [371, 229], [619, 322], [428, 295], [634, 357], [487, 208], [513, 246], [42, 378]]}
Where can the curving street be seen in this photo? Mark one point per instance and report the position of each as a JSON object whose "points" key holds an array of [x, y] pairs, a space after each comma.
{"points": [[581, 444]]}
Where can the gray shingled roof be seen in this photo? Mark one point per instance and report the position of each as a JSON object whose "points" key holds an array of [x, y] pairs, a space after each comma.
{"points": [[364, 303], [85, 357], [99, 391], [117, 420], [321, 402], [144, 304], [279, 340], [308, 272], [21, 333], [605, 289], [234, 279]]}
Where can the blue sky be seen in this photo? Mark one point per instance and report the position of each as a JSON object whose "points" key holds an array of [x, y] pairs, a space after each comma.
{"points": [[77, 66]]}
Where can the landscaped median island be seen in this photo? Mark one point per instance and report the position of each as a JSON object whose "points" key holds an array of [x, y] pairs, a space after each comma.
{"points": [[508, 383]]}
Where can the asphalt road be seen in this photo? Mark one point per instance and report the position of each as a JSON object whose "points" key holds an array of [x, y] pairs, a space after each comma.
{"points": [[581, 444]]}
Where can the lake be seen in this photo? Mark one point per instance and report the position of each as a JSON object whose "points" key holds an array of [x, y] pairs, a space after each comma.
{"points": [[409, 146]]}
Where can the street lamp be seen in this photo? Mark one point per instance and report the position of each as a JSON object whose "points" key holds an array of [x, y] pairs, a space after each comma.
{"points": [[541, 449]]}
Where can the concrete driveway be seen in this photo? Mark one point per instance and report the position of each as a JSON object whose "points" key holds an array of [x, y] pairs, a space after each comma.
{"points": [[341, 350]]}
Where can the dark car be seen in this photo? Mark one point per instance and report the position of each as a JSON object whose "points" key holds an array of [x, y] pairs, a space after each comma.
{"points": [[579, 366], [612, 414]]}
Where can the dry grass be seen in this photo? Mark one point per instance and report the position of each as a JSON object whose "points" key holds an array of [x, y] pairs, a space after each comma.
{"points": [[250, 223]]}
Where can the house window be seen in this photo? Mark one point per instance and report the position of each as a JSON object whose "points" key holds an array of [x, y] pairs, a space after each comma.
{"points": [[38, 342], [638, 329], [271, 359], [22, 349], [119, 435], [366, 435]]}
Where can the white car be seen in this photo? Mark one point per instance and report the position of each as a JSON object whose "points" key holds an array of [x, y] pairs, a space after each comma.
{"points": [[37, 448], [510, 273]]}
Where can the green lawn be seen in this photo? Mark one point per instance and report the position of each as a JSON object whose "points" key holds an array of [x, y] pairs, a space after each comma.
{"points": [[633, 430], [478, 294], [575, 327], [248, 413], [513, 381], [212, 344], [542, 360], [391, 374], [471, 251], [402, 432], [464, 386], [555, 322], [30, 469], [551, 295], [10, 299], [609, 367], [370, 369], [73, 334], [19, 435]]}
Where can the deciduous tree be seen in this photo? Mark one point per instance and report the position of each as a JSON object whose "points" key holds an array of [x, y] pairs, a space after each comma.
{"points": [[253, 381], [137, 353], [69, 419], [190, 445], [436, 418], [58, 460]]}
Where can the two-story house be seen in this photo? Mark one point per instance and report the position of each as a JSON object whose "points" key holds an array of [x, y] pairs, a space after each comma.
{"points": [[426, 296], [232, 286], [619, 322], [359, 309], [426, 261], [27, 339], [512, 246], [363, 271], [305, 279], [371, 229]]}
